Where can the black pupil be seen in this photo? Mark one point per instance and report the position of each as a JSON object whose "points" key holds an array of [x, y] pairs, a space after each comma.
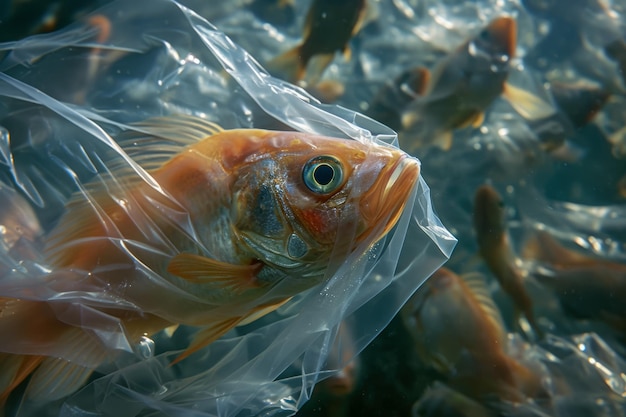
{"points": [[323, 174]]}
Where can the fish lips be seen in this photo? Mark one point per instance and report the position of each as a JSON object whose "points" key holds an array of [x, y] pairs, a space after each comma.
{"points": [[383, 204]]}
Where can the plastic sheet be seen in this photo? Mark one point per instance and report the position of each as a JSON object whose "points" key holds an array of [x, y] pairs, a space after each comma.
{"points": [[64, 99]]}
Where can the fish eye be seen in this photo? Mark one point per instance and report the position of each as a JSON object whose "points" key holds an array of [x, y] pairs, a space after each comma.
{"points": [[485, 35], [322, 174]]}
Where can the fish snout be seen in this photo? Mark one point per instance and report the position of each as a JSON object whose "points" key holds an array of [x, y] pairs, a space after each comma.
{"points": [[382, 205]]}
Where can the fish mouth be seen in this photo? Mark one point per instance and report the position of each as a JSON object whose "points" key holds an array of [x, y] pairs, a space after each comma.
{"points": [[503, 31], [383, 204]]}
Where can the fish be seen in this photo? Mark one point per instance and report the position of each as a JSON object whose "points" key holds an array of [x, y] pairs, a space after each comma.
{"points": [[495, 249], [577, 104], [225, 227], [579, 101], [463, 85], [458, 330], [587, 287], [328, 28]]}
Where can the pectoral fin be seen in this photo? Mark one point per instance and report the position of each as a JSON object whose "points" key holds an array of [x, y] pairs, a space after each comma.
{"points": [[202, 270], [262, 312], [475, 120], [528, 105], [208, 335], [478, 120]]}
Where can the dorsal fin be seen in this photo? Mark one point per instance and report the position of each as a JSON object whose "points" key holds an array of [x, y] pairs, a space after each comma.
{"points": [[154, 141], [477, 285], [208, 335], [150, 143], [85, 218]]}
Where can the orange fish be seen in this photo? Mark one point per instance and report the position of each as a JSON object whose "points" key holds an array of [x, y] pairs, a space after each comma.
{"points": [[459, 332], [227, 226], [495, 249]]}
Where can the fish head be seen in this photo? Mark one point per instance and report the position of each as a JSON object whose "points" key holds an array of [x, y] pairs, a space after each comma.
{"points": [[498, 40], [306, 200], [442, 284], [486, 58], [444, 298], [466, 82], [441, 280], [489, 216]]}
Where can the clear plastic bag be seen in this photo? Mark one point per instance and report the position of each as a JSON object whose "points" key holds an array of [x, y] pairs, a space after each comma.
{"points": [[65, 96]]}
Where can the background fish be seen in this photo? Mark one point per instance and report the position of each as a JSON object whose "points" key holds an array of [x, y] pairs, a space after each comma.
{"points": [[459, 331], [577, 104], [463, 85], [329, 27], [229, 227], [495, 249]]}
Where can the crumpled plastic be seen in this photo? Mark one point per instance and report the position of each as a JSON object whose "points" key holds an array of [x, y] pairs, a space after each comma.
{"points": [[64, 96]]}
